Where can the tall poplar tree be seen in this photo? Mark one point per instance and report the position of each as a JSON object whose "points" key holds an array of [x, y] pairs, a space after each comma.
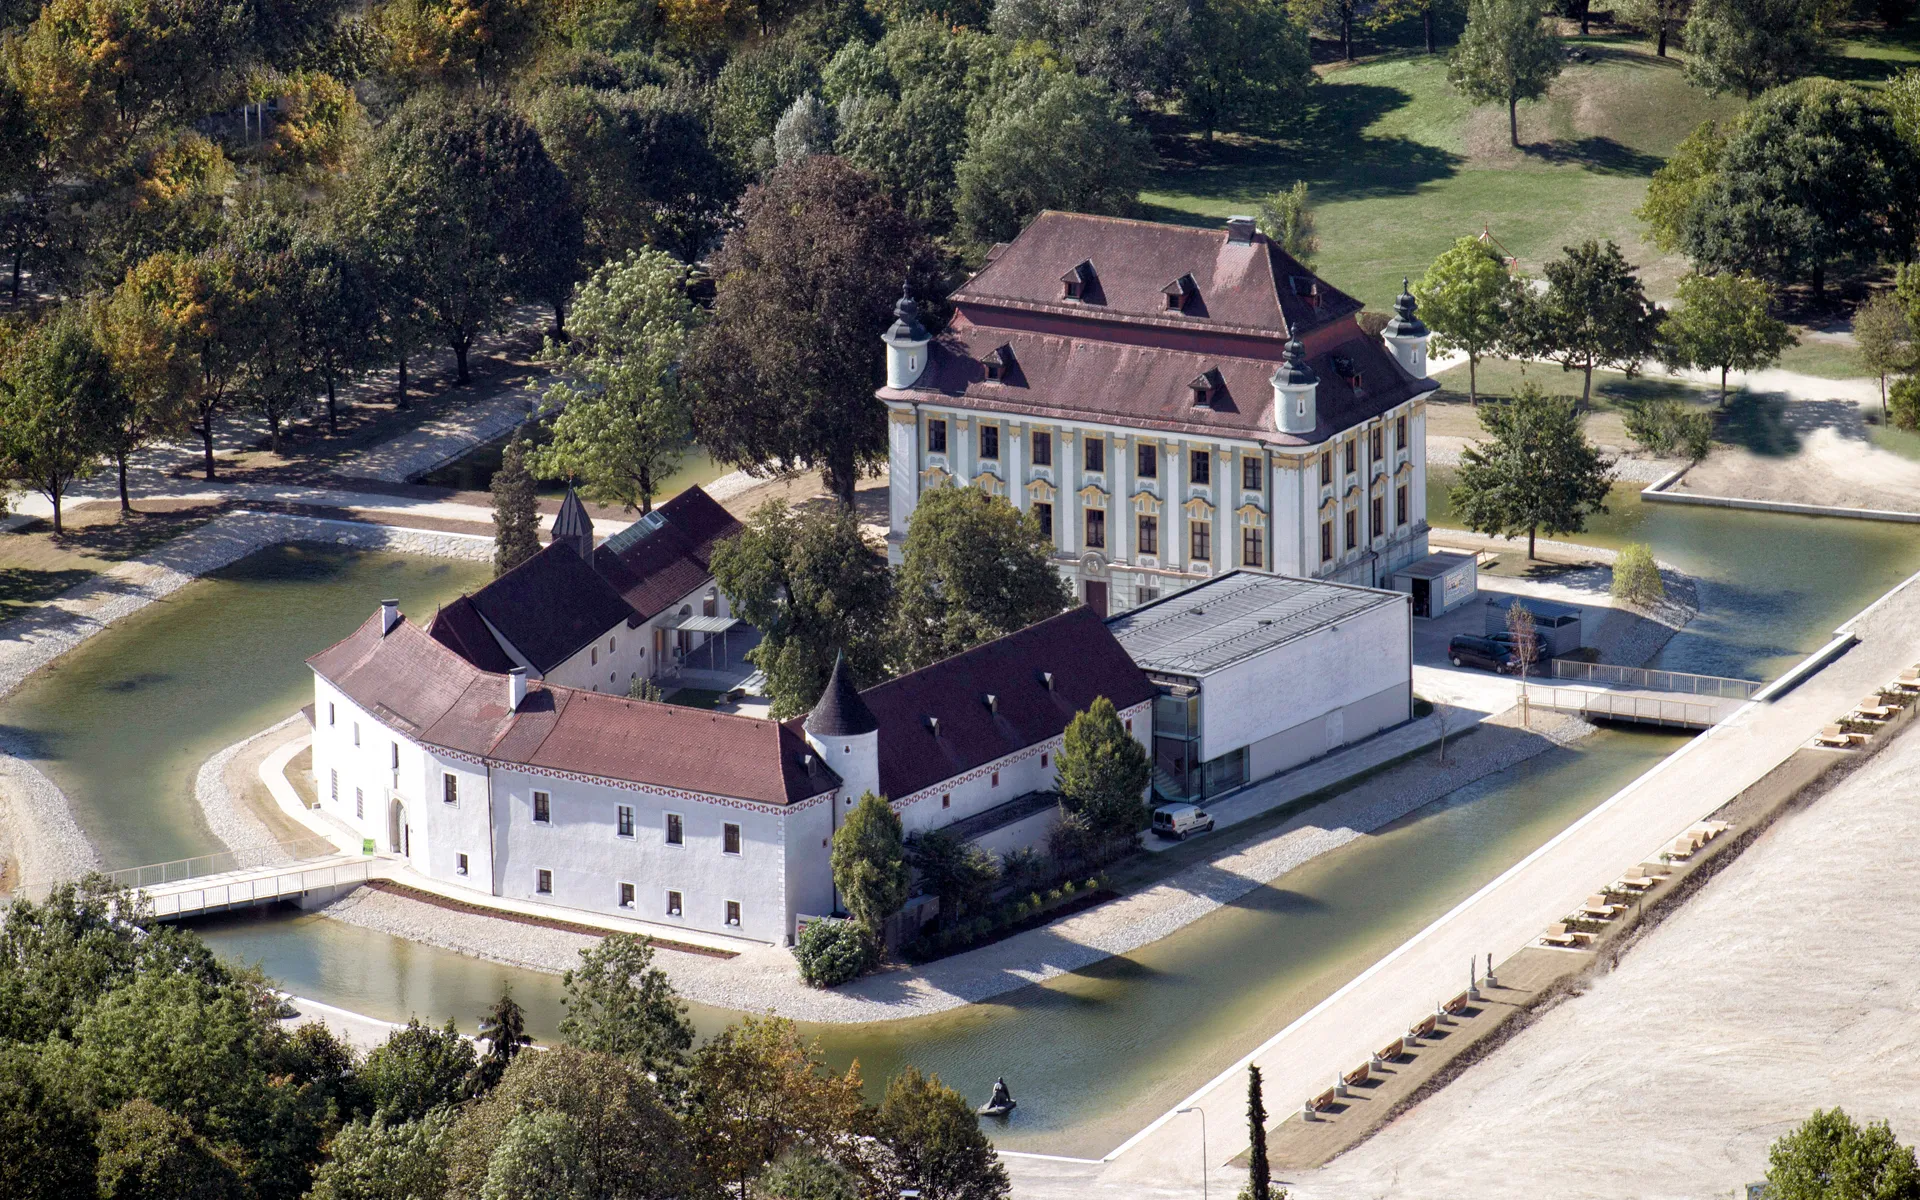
{"points": [[516, 516], [1259, 1174]]}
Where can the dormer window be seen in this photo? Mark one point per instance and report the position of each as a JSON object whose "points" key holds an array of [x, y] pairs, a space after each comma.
{"points": [[1080, 283], [1178, 293], [1206, 387], [1346, 370], [997, 361], [1307, 288]]}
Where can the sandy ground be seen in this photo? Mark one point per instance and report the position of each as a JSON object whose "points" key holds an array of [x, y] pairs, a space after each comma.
{"points": [[1833, 467], [234, 800], [1791, 982], [765, 978]]}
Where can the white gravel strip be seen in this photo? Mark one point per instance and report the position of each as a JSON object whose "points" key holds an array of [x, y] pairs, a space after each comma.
{"points": [[765, 979], [38, 835], [1444, 451], [228, 816], [443, 439]]}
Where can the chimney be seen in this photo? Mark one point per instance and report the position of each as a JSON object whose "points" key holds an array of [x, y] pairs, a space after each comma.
{"points": [[1239, 231], [389, 616], [516, 688]]}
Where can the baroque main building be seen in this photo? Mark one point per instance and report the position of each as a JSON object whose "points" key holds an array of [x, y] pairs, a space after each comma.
{"points": [[1171, 403]]}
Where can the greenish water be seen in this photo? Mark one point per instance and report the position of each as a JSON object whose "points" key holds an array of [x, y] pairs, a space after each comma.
{"points": [[123, 723], [1772, 587]]}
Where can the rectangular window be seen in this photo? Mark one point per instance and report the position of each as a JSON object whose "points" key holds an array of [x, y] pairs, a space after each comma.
{"points": [[1096, 454], [1399, 433], [542, 807], [1326, 541], [359, 804], [1400, 505], [936, 436], [1352, 462], [450, 788], [1096, 529], [330, 712], [989, 441], [593, 657], [1379, 515], [356, 733], [729, 839], [1043, 513], [623, 820], [1144, 595], [1249, 547], [1353, 528], [626, 895], [1200, 533], [1250, 474], [460, 864], [1044, 759], [1200, 467], [396, 756], [946, 799], [333, 788], [1379, 443], [1042, 449], [673, 904], [1149, 535], [1326, 468], [996, 779], [676, 830], [543, 882], [1147, 460], [733, 913]]}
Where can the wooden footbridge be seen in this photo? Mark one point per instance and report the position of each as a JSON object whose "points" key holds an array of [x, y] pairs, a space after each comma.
{"points": [[1640, 696]]}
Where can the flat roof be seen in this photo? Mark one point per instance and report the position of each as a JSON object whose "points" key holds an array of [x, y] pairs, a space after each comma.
{"points": [[1218, 623], [1435, 565]]}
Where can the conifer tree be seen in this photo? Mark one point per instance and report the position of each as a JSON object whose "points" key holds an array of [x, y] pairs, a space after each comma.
{"points": [[516, 521], [504, 1030], [1259, 1175], [1103, 772]]}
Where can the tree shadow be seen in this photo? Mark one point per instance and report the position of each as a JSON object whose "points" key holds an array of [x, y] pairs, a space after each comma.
{"points": [[24, 585], [1602, 155]]}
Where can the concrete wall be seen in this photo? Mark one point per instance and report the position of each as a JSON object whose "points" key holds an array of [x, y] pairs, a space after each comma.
{"points": [[1323, 672], [1027, 832], [624, 653], [1325, 732]]}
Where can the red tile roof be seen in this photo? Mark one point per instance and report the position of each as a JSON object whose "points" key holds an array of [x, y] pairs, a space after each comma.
{"points": [[460, 628], [552, 606], [653, 570], [1075, 648], [430, 693]]}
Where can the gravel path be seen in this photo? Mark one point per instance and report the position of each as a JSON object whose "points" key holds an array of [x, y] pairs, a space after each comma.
{"points": [[230, 817], [40, 843], [443, 439], [765, 979], [1444, 451]]}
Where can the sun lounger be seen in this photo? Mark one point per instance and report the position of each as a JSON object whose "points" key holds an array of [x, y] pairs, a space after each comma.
{"points": [[1357, 1076], [1651, 872], [1597, 906], [1681, 850], [1835, 737], [1392, 1050], [1557, 935], [1633, 883]]}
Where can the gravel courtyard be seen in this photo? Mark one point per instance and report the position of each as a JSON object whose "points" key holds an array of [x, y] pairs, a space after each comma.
{"points": [[1791, 982]]}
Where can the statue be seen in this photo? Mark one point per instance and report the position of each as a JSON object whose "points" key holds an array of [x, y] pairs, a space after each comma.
{"points": [[1002, 1102]]}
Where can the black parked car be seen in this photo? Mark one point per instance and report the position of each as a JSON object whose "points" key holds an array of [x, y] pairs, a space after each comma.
{"points": [[1465, 650]]}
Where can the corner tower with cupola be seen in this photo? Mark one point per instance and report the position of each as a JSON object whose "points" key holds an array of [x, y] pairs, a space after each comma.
{"points": [[1169, 403]]}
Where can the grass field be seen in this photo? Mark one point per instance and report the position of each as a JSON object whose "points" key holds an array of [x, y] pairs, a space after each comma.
{"points": [[1399, 164]]}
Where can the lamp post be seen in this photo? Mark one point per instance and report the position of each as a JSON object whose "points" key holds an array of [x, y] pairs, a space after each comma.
{"points": [[1203, 1146]]}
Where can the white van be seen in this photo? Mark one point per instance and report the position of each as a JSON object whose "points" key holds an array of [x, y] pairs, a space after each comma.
{"points": [[1179, 820]]}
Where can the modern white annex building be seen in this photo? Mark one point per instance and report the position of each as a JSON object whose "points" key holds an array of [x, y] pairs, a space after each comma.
{"points": [[1171, 403]]}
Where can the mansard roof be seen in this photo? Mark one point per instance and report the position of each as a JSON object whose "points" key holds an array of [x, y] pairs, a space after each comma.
{"points": [[427, 691], [936, 723]]}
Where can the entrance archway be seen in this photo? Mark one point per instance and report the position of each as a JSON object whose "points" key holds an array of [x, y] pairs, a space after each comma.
{"points": [[397, 827]]}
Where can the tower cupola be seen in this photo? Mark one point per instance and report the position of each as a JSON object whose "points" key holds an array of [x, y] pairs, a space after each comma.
{"points": [[1295, 392], [574, 527], [907, 340], [1406, 335], [843, 731]]}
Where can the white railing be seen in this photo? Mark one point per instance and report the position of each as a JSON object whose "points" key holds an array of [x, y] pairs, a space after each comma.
{"points": [[1656, 681], [226, 862], [179, 901], [1625, 706]]}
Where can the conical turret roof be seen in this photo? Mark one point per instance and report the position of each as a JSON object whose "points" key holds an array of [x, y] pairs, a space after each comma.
{"points": [[841, 712], [573, 525]]}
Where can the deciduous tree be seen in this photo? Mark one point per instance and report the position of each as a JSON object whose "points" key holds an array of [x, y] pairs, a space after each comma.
{"points": [[815, 588], [59, 406], [1833, 1157], [1593, 315], [1136, 47], [1884, 335], [1507, 54], [757, 1089], [935, 1142], [619, 1003], [626, 415], [1816, 176], [1748, 46], [376, 1159], [1250, 65], [870, 863], [1103, 773], [417, 1070], [804, 286], [1658, 19], [1723, 324], [1288, 222], [1534, 471], [959, 872], [1687, 175], [1468, 298], [974, 568]]}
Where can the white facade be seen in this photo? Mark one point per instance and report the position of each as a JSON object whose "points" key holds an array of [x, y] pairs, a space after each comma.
{"points": [[622, 654], [1162, 513]]}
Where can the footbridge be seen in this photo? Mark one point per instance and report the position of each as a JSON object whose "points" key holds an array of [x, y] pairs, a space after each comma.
{"points": [[1641, 696], [214, 883]]}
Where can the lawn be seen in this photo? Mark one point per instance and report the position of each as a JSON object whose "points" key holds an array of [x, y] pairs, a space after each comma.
{"points": [[1399, 164], [36, 566], [1827, 359]]}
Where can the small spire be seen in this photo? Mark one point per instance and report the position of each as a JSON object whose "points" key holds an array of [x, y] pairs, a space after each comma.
{"points": [[1403, 322], [906, 317], [1293, 371], [573, 526]]}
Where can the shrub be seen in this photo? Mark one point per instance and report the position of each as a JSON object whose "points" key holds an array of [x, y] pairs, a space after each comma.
{"points": [[1664, 427], [833, 952], [1053, 897], [1068, 888], [1636, 578], [1903, 403], [1693, 431]]}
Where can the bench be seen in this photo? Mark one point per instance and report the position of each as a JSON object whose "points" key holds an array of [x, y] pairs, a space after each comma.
{"points": [[1392, 1051], [1357, 1076], [1457, 1004], [1423, 1029], [1323, 1101]]}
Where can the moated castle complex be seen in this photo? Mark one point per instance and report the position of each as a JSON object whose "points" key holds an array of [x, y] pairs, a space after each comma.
{"points": [[1176, 407]]}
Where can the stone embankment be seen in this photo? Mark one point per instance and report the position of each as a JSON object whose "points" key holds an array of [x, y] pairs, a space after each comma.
{"points": [[764, 978]]}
